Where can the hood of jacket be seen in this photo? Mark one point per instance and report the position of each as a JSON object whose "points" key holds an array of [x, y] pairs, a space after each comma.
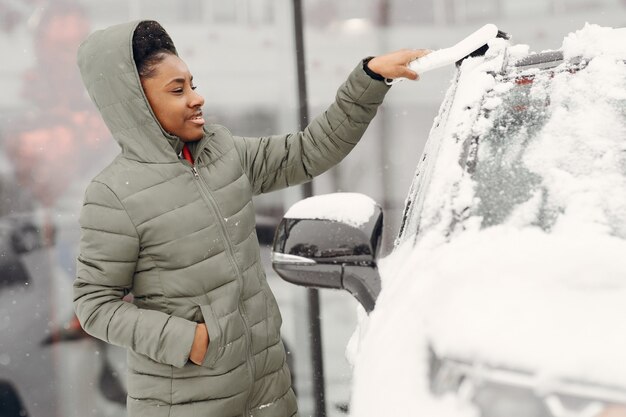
{"points": [[109, 73]]}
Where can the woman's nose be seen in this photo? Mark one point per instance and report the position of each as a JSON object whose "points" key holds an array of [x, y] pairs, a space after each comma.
{"points": [[196, 100]]}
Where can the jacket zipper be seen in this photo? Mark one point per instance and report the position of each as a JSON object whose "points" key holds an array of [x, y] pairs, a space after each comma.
{"points": [[206, 194]]}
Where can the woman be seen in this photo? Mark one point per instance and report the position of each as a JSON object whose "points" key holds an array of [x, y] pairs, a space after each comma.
{"points": [[171, 219]]}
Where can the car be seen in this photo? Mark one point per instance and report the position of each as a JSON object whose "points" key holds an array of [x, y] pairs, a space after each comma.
{"points": [[504, 294]]}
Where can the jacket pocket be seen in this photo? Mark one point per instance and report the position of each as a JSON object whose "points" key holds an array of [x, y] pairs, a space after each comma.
{"points": [[216, 347]]}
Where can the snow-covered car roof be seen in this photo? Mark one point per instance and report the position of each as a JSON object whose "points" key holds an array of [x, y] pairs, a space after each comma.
{"points": [[513, 250]]}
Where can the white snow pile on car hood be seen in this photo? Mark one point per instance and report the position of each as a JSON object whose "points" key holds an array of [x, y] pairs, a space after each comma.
{"points": [[513, 296], [352, 208], [545, 303]]}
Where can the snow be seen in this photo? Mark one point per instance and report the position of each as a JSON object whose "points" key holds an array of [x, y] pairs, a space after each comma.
{"points": [[449, 56], [511, 304], [512, 295], [584, 170], [351, 208], [527, 304], [472, 86], [594, 40], [390, 375]]}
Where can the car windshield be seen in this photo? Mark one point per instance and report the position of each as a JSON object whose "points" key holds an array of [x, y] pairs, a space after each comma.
{"points": [[503, 181], [537, 159]]}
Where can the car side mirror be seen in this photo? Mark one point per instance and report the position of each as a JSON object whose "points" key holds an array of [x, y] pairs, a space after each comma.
{"points": [[331, 241]]}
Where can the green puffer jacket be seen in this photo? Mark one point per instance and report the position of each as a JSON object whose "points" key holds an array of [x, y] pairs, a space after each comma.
{"points": [[182, 240]]}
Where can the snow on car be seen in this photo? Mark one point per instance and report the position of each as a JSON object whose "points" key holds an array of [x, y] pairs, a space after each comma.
{"points": [[505, 291]]}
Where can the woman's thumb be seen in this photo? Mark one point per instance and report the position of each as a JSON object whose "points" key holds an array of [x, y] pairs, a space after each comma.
{"points": [[409, 73]]}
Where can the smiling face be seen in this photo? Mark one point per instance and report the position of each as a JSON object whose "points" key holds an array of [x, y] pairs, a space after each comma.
{"points": [[170, 92]]}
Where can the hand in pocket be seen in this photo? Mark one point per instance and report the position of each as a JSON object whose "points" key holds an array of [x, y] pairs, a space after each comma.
{"points": [[200, 344]]}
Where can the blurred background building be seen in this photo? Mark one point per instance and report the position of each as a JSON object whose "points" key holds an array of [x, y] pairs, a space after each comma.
{"points": [[241, 53]]}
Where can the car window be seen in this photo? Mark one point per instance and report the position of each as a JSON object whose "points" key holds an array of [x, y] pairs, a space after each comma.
{"points": [[516, 113], [410, 215], [526, 115], [512, 156], [409, 225]]}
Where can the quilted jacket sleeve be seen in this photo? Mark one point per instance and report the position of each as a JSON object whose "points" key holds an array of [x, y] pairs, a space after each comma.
{"points": [[109, 247], [279, 161]]}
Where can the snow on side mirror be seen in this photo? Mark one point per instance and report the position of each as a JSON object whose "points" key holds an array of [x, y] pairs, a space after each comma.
{"points": [[331, 241]]}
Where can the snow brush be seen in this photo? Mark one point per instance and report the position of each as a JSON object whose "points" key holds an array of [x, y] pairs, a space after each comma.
{"points": [[473, 45]]}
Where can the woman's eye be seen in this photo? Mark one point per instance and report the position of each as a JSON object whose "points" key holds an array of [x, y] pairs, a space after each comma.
{"points": [[193, 87], [178, 90]]}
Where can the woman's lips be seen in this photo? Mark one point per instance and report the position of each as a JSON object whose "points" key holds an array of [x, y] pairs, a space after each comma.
{"points": [[198, 120]]}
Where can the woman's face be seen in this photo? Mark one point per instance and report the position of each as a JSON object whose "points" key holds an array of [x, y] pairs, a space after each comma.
{"points": [[177, 107]]}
